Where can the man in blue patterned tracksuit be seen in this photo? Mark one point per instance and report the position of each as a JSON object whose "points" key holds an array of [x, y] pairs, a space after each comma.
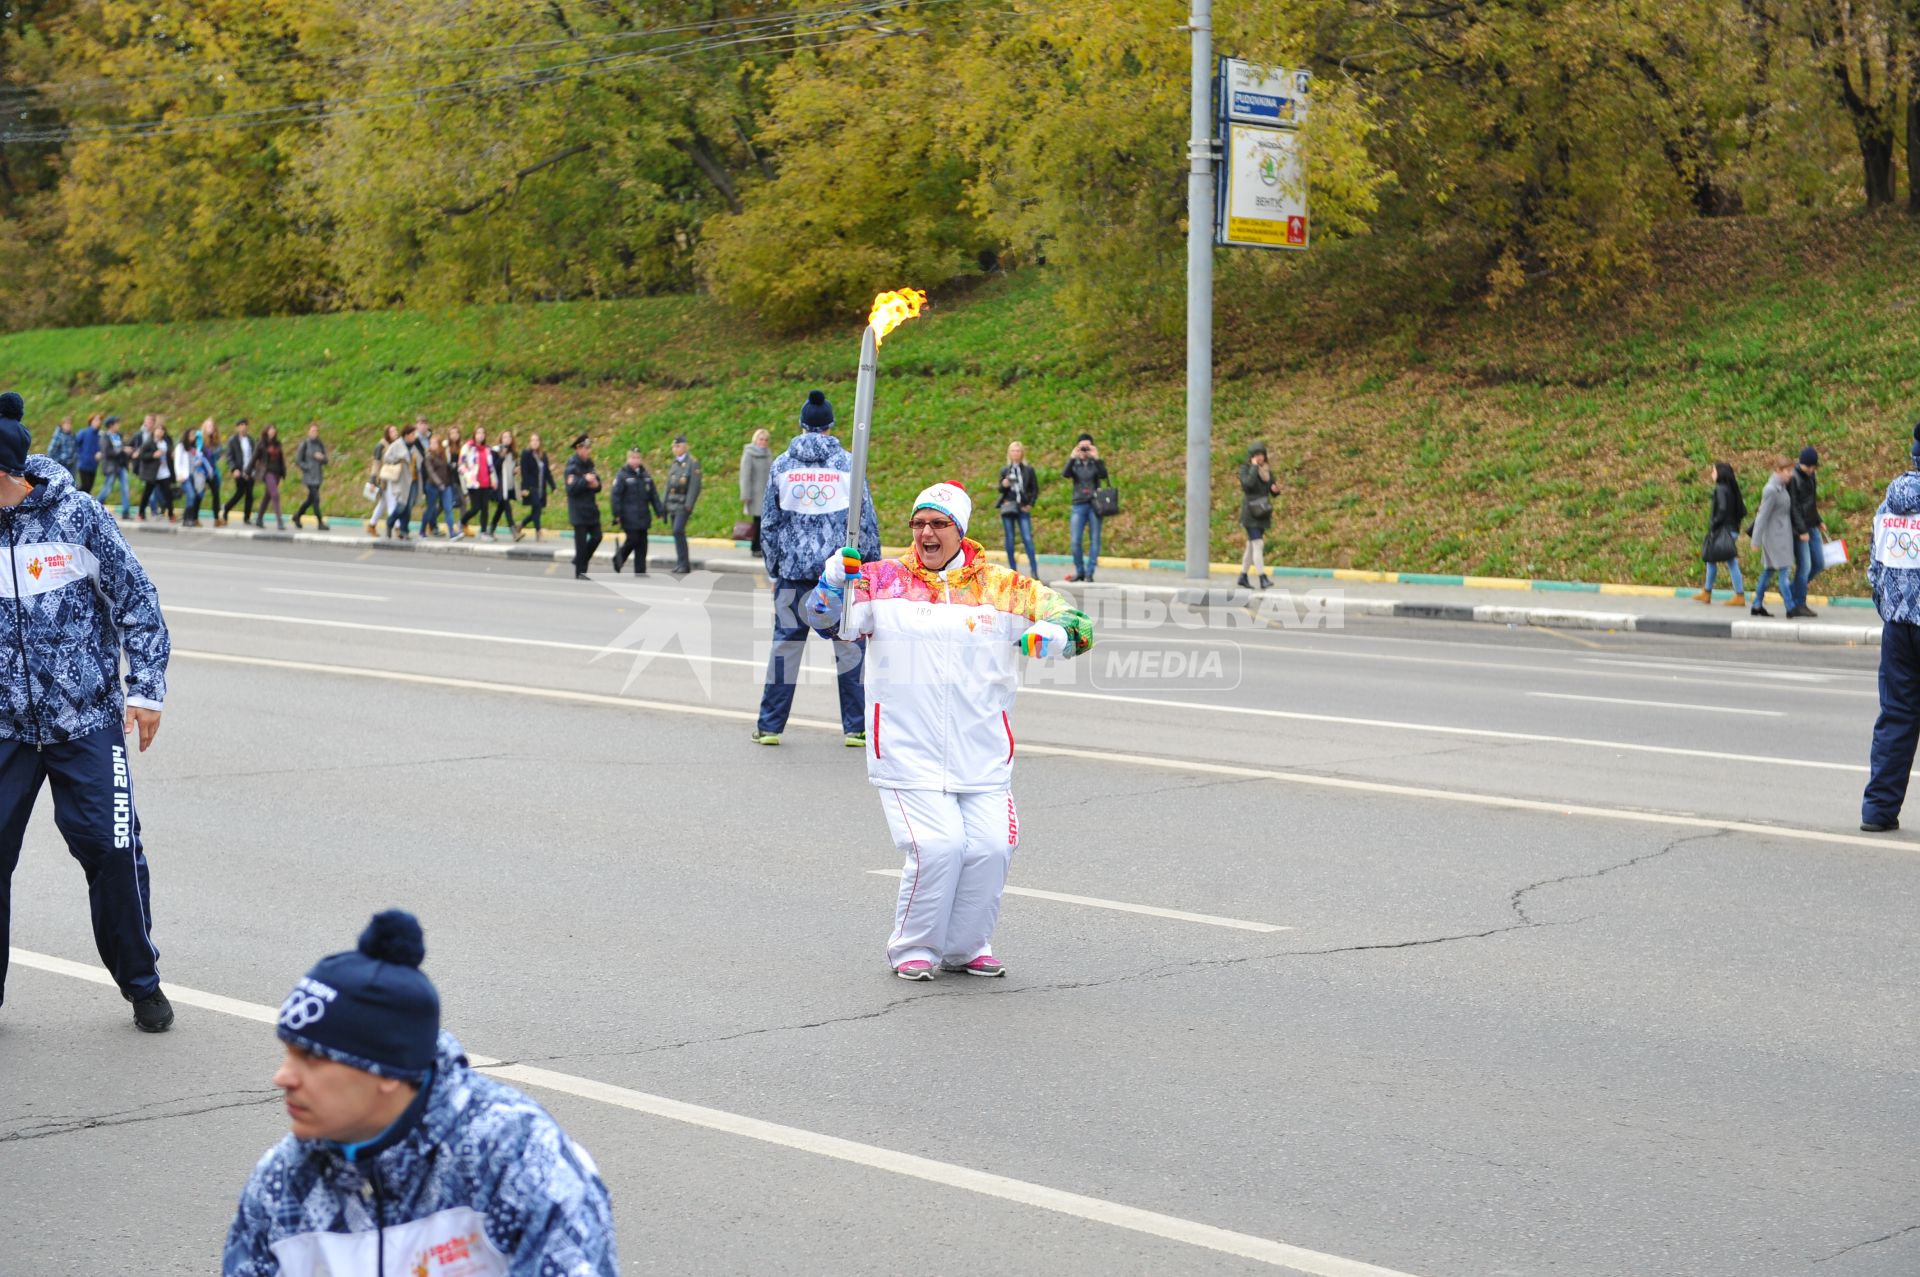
{"points": [[1894, 573], [803, 519], [78, 598], [402, 1158]]}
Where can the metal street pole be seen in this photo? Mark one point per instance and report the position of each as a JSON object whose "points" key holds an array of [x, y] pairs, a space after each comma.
{"points": [[1200, 300]]}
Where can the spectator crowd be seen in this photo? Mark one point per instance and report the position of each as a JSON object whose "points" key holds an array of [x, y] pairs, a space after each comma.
{"points": [[419, 480]]}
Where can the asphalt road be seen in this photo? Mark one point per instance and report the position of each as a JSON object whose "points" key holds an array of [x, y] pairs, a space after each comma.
{"points": [[1582, 966]]}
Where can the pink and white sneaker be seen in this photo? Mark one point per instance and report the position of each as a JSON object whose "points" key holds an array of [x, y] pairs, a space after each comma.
{"points": [[986, 964], [914, 970]]}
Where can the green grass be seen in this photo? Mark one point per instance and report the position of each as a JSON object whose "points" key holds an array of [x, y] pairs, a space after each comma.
{"points": [[1532, 441]]}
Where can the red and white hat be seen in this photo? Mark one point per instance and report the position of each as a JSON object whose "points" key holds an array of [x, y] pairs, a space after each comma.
{"points": [[949, 499]]}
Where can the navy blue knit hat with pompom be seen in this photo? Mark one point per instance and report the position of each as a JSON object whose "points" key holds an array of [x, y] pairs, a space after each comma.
{"points": [[371, 1009], [816, 414]]}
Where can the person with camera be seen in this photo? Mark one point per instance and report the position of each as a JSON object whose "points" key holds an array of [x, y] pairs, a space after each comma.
{"points": [[1258, 488], [1088, 474], [1019, 486]]}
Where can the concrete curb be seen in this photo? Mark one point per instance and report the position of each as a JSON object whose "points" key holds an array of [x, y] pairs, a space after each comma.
{"points": [[1564, 618]]}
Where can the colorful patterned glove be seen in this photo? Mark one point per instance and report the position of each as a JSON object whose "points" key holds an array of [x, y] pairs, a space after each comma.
{"points": [[1044, 640], [842, 565]]}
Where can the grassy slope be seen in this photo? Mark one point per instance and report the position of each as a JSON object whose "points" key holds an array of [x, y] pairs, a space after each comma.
{"points": [[1528, 442]]}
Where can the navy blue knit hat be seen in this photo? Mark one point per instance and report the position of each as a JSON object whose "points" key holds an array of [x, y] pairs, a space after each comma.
{"points": [[1809, 456], [14, 445], [371, 1009], [817, 414]]}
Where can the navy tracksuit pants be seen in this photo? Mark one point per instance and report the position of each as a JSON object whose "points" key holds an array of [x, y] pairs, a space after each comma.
{"points": [[790, 651], [1897, 730], [93, 808]]}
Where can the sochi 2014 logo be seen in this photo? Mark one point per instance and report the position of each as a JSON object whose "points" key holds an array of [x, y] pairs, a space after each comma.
{"points": [[306, 1004]]}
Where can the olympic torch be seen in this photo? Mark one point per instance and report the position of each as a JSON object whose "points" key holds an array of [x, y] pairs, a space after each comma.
{"points": [[890, 310]]}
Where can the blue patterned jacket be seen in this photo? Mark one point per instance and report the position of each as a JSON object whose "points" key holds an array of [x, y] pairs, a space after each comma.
{"points": [[803, 517], [486, 1184], [1896, 591], [77, 596]]}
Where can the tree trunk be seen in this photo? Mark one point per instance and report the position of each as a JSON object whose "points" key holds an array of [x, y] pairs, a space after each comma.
{"points": [[1876, 158], [1913, 150]]}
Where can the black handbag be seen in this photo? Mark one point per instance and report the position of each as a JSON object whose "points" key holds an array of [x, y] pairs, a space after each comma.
{"points": [[1259, 507], [1106, 502], [1721, 546]]}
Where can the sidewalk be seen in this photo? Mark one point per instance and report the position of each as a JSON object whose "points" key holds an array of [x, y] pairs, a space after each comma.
{"points": [[1416, 596]]}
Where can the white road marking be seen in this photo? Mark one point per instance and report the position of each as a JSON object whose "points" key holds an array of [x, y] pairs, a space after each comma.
{"points": [[1091, 755], [327, 594], [1620, 700], [598, 649], [946, 1174], [1820, 674], [1121, 906], [1299, 716], [1265, 641], [1440, 729]]}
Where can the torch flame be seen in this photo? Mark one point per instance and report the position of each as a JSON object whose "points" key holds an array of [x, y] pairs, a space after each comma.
{"points": [[890, 310]]}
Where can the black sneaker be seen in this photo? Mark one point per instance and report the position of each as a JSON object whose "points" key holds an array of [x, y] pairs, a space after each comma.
{"points": [[1803, 612], [1886, 826], [153, 1013], [1759, 611]]}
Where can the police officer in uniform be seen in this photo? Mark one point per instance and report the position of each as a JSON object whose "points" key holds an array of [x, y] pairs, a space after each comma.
{"points": [[1894, 573]]}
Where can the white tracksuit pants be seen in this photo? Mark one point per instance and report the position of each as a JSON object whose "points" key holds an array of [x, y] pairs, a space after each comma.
{"points": [[958, 848]]}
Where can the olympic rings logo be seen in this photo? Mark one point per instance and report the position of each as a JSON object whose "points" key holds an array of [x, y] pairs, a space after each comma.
{"points": [[300, 1010], [1907, 543], [817, 494]]}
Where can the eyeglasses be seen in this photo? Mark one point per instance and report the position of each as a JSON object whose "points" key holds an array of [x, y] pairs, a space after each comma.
{"points": [[930, 525]]}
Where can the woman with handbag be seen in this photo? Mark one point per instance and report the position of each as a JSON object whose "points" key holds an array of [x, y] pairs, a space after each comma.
{"points": [[1019, 485], [1722, 543], [379, 485], [1258, 488], [1088, 474], [756, 461]]}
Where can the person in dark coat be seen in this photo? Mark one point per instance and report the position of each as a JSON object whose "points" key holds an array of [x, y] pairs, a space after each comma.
{"points": [[536, 484], [1088, 474], [240, 450], [583, 505], [1723, 533], [682, 495], [1893, 573], [1258, 488], [635, 501], [1809, 559], [1019, 488]]}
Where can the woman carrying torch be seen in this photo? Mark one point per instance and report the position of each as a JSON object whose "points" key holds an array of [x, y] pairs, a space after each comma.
{"points": [[945, 629]]}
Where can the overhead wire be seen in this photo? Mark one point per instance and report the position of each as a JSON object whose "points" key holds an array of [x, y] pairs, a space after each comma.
{"points": [[296, 62], [801, 29]]}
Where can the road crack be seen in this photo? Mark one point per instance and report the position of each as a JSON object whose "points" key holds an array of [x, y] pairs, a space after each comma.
{"points": [[1516, 900], [1871, 1241], [50, 1127]]}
